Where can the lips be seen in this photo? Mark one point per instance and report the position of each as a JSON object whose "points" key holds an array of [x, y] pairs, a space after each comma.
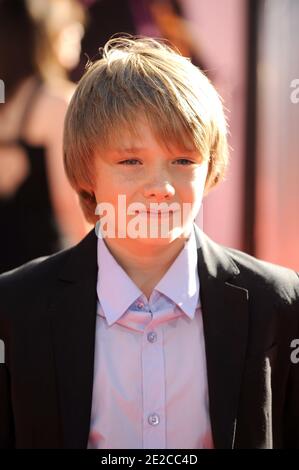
{"points": [[153, 212]]}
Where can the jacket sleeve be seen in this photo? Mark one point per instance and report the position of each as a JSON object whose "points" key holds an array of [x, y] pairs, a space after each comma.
{"points": [[291, 416], [7, 440], [7, 431]]}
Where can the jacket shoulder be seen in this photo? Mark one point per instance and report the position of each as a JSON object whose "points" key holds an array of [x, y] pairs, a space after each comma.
{"points": [[26, 288], [35, 280], [34, 271], [39, 271], [265, 276]]}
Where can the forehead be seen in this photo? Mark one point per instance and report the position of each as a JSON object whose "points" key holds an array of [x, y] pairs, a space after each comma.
{"points": [[143, 137]]}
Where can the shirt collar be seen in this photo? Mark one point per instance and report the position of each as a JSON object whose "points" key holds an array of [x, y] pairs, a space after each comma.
{"points": [[181, 282], [117, 292]]}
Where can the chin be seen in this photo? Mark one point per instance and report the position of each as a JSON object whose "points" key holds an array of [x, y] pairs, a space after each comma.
{"points": [[168, 237]]}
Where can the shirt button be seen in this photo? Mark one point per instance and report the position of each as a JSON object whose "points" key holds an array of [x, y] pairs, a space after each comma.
{"points": [[154, 419], [140, 305], [152, 337]]}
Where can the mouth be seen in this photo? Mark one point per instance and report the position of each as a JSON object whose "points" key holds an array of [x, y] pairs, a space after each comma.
{"points": [[155, 213]]}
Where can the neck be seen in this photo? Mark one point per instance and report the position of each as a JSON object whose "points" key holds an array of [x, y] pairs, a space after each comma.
{"points": [[145, 264]]}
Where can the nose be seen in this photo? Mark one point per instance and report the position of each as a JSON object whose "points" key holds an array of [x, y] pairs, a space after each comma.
{"points": [[158, 190]]}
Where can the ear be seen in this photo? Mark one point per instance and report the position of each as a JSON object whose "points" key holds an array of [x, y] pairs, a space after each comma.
{"points": [[87, 195]]}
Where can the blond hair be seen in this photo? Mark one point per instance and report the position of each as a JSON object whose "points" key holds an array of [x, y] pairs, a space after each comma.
{"points": [[141, 75]]}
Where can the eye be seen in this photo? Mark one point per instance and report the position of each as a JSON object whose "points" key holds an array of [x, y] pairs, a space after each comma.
{"points": [[129, 162], [184, 161]]}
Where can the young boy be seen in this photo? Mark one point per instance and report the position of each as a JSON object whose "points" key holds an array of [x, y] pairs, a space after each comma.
{"points": [[147, 334]]}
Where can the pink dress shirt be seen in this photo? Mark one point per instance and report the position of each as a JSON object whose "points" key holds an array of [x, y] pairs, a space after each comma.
{"points": [[150, 387]]}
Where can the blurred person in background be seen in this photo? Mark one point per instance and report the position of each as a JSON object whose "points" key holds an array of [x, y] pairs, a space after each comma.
{"points": [[39, 211], [168, 16], [152, 18]]}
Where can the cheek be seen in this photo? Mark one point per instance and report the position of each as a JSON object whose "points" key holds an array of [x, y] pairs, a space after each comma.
{"points": [[192, 188], [197, 189], [199, 181], [110, 186]]}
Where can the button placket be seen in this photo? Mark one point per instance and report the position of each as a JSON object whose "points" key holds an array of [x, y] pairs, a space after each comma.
{"points": [[154, 419], [153, 368], [152, 336]]}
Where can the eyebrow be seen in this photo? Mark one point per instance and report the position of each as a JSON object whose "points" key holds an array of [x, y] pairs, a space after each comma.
{"points": [[142, 149], [131, 149]]}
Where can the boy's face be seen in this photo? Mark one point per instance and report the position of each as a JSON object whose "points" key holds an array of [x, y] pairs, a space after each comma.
{"points": [[142, 171]]}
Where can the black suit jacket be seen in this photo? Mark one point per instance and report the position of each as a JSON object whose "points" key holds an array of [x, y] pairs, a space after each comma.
{"points": [[47, 321]]}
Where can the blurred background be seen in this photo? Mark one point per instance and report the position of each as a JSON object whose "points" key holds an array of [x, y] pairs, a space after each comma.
{"points": [[248, 48]]}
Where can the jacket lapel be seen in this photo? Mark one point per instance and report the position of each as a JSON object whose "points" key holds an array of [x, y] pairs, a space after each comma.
{"points": [[225, 320], [73, 315]]}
